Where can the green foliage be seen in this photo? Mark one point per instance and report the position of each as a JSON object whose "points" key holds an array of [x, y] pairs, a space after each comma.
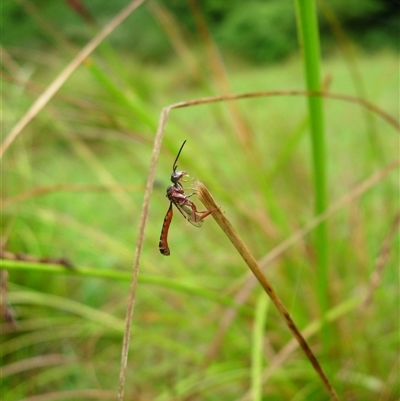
{"points": [[374, 24], [260, 31], [347, 10], [151, 44], [257, 30], [18, 29]]}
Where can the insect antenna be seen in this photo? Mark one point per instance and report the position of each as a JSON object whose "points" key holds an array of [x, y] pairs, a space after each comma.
{"points": [[174, 167]]}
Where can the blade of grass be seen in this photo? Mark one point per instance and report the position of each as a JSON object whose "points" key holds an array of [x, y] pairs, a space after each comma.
{"points": [[67, 305], [140, 110], [309, 37], [85, 394], [34, 363], [84, 188], [257, 356], [112, 274]]}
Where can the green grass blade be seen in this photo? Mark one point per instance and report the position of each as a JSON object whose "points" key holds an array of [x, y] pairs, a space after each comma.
{"points": [[257, 356], [308, 27], [108, 274]]}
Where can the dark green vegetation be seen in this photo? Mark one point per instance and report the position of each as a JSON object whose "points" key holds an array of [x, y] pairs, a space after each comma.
{"points": [[263, 30], [72, 186]]}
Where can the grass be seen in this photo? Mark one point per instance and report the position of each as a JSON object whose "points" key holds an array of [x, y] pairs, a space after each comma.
{"points": [[309, 39], [200, 328]]}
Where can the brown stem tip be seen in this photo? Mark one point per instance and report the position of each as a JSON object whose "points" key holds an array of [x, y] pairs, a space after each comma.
{"points": [[209, 202]]}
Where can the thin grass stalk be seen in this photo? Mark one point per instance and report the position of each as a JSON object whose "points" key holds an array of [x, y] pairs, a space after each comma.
{"points": [[357, 191], [309, 36], [138, 251], [207, 200], [257, 356], [132, 103], [381, 261], [251, 95]]}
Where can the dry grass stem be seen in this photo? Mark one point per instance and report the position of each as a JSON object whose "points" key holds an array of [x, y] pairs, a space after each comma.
{"points": [[6, 312], [355, 193], [42, 361], [251, 95], [138, 250], [50, 91], [381, 260], [208, 201]]}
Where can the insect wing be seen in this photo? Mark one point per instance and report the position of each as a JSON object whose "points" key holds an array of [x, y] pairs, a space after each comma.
{"points": [[187, 213]]}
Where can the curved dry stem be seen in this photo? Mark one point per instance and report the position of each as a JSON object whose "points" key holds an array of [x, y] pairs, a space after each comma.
{"points": [[146, 202], [42, 361], [208, 201], [347, 98]]}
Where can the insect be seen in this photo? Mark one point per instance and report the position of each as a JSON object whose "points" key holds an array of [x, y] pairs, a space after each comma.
{"points": [[176, 195]]}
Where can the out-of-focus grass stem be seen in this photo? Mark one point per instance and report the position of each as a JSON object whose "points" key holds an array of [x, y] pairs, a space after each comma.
{"points": [[309, 37]]}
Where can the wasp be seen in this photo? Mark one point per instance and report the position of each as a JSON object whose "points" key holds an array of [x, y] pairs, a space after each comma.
{"points": [[176, 195]]}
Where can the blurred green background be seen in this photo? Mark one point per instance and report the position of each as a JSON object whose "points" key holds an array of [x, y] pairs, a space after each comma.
{"points": [[261, 31], [73, 185]]}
